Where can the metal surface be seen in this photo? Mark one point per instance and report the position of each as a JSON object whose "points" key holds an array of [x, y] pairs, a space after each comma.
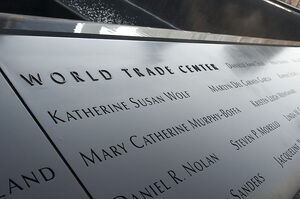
{"points": [[292, 3], [114, 12], [254, 18], [108, 106], [31, 23], [30, 167], [272, 19], [46, 8]]}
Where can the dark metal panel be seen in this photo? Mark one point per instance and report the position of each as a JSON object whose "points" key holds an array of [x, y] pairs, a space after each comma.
{"points": [[46, 8], [78, 83], [254, 18]]}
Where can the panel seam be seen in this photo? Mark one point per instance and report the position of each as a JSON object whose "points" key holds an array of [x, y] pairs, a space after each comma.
{"points": [[45, 133]]}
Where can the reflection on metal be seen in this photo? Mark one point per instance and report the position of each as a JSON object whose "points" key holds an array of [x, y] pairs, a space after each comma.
{"points": [[295, 3], [277, 5], [78, 28], [31, 23], [122, 30], [252, 18], [114, 12]]}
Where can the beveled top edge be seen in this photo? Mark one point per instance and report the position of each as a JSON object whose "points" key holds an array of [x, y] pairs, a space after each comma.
{"points": [[35, 23]]}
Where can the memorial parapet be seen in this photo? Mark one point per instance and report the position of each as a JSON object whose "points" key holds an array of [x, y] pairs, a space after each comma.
{"points": [[136, 119]]}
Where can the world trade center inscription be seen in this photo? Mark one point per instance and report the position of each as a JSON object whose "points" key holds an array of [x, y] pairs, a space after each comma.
{"points": [[133, 119]]}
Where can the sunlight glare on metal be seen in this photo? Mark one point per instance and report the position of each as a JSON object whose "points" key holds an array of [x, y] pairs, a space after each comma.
{"points": [[78, 27], [277, 5]]}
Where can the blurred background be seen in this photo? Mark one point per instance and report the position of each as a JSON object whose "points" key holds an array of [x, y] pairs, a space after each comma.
{"points": [[271, 19]]}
